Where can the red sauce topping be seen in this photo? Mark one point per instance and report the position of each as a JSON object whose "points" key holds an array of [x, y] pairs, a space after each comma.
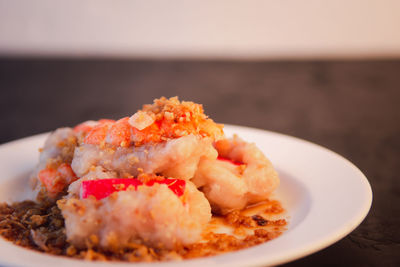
{"points": [[104, 187], [237, 163]]}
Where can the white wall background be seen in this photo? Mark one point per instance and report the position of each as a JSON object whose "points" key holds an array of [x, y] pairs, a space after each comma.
{"points": [[244, 29]]}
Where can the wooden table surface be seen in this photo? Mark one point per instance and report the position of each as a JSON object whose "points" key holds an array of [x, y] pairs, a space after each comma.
{"points": [[350, 107]]}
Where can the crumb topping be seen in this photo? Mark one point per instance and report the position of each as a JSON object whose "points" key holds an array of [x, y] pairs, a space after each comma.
{"points": [[163, 120]]}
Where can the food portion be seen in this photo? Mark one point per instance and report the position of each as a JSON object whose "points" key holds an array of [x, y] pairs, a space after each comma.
{"points": [[53, 173], [157, 181], [153, 214], [240, 176]]}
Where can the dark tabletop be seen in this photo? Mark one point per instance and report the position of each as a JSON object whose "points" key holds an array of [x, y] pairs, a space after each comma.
{"points": [[352, 108]]}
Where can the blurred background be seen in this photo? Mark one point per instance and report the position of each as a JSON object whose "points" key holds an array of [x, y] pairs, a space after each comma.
{"points": [[324, 71]]}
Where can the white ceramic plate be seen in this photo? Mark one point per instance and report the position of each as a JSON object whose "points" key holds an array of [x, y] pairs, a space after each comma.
{"points": [[325, 195]]}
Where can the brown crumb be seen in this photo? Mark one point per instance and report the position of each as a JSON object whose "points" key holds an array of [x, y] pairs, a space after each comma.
{"points": [[274, 207], [260, 220], [236, 219], [71, 251]]}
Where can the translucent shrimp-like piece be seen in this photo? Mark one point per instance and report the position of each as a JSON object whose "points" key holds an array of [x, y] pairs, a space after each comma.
{"points": [[242, 175], [177, 158], [56, 180], [153, 214], [167, 137], [53, 172]]}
